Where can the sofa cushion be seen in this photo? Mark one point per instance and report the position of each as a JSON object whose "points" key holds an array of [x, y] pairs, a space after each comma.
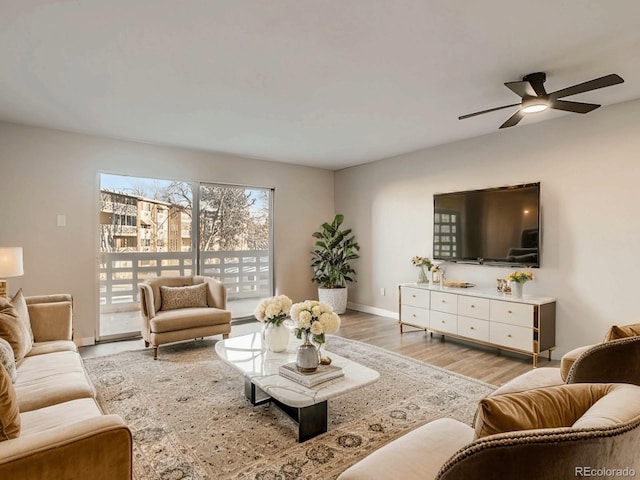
{"points": [[14, 330], [616, 332], [61, 414], [20, 304], [51, 320], [45, 380], [42, 348], [549, 407], [7, 360], [9, 411], [192, 296]]}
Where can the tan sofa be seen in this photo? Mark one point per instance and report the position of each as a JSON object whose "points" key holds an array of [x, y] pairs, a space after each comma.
{"points": [[566, 431], [182, 308], [63, 434]]}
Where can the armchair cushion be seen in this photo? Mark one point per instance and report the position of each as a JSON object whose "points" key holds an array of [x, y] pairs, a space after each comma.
{"points": [[550, 407], [616, 332], [191, 296], [14, 330], [9, 412]]}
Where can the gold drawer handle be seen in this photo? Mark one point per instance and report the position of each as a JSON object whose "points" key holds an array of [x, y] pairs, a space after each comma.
{"points": [[444, 301], [509, 311], [414, 315], [509, 335], [442, 321], [472, 328], [413, 296]]}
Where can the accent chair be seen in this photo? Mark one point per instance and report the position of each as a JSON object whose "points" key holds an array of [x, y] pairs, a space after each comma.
{"points": [[182, 308]]}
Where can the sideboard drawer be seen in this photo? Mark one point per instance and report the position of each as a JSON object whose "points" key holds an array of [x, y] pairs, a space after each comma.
{"points": [[418, 297], [512, 313], [473, 328], [473, 307], [444, 322], [414, 316], [444, 302], [511, 336]]}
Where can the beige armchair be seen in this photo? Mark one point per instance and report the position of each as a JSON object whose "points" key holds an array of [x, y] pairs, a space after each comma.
{"points": [[616, 360], [182, 308]]}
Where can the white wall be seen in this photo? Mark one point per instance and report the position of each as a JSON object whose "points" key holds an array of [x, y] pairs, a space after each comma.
{"points": [[589, 168], [46, 172]]}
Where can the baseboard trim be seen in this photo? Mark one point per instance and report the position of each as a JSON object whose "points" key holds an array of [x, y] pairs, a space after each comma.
{"points": [[373, 310]]}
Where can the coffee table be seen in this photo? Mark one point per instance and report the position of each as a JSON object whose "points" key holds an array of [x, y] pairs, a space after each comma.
{"points": [[262, 382]]}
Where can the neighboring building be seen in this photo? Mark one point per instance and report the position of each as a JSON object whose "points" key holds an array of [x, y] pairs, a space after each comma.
{"points": [[132, 223]]}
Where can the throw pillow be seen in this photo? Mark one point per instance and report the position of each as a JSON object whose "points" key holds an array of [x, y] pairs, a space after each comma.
{"points": [[13, 330], [9, 412], [625, 331], [20, 304], [191, 296], [548, 407], [8, 360]]}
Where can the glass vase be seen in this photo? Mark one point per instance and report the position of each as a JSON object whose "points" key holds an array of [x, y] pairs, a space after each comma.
{"points": [[422, 276], [307, 360], [275, 337]]}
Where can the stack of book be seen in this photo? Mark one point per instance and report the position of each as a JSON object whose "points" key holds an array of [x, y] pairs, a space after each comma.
{"points": [[324, 373]]}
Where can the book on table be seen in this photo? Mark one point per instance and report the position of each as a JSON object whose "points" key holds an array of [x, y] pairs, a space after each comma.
{"points": [[324, 373]]}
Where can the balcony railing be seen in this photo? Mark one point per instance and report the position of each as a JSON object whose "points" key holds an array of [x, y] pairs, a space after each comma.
{"points": [[246, 273]]}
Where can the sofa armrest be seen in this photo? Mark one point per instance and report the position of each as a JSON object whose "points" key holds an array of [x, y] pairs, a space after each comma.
{"points": [[98, 448], [417, 455], [51, 317]]}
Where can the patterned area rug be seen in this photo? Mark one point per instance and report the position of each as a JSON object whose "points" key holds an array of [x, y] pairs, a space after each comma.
{"points": [[190, 419]]}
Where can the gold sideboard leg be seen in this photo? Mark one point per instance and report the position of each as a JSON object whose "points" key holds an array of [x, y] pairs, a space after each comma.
{"points": [[535, 360]]}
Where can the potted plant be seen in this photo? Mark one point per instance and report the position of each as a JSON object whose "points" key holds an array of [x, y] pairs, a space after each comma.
{"points": [[332, 255]]}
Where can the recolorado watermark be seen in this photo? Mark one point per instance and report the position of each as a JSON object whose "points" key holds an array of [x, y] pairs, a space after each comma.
{"points": [[604, 472]]}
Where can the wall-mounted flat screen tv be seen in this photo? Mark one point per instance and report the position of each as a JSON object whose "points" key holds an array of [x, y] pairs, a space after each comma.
{"points": [[494, 226]]}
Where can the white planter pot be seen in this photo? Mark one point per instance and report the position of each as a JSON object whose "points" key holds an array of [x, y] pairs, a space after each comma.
{"points": [[335, 297]]}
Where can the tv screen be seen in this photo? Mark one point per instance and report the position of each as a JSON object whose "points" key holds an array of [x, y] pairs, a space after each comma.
{"points": [[497, 226]]}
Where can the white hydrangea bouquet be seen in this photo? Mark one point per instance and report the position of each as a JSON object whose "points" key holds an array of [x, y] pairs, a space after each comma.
{"points": [[314, 318], [273, 310]]}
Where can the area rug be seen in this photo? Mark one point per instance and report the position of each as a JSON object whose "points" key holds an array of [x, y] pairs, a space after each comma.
{"points": [[190, 419]]}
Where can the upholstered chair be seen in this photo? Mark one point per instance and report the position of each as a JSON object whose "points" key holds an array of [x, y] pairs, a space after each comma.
{"points": [[182, 308], [566, 431], [616, 359]]}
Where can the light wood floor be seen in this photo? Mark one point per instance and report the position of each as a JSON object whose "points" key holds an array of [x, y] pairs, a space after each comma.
{"points": [[483, 363]]}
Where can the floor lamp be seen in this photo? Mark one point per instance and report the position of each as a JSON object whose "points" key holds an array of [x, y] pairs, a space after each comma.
{"points": [[10, 266]]}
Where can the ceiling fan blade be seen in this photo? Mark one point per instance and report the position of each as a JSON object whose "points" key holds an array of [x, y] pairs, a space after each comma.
{"points": [[601, 82], [522, 89], [576, 107], [469, 115], [514, 119]]}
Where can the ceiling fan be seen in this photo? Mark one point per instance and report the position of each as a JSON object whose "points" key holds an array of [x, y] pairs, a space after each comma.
{"points": [[536, 99]]}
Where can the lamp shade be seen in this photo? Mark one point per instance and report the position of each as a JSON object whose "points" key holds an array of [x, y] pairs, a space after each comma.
{"points": [[11, 262]]}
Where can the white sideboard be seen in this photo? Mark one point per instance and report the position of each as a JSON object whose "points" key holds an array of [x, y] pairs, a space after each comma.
{"points": [[524, 325]]}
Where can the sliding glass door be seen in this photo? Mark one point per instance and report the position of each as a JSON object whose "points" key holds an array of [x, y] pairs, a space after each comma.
{"points": [[148, 229]]}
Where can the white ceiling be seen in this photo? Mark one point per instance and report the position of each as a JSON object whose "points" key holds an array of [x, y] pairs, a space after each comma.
{"points": [[329, 83]]}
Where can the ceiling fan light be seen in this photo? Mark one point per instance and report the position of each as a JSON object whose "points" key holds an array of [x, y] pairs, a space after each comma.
{"points": [[533, 105], [534, 108]]}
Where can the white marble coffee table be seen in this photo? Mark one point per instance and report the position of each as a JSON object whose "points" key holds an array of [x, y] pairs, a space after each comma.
{"points": [[307, 406]]}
